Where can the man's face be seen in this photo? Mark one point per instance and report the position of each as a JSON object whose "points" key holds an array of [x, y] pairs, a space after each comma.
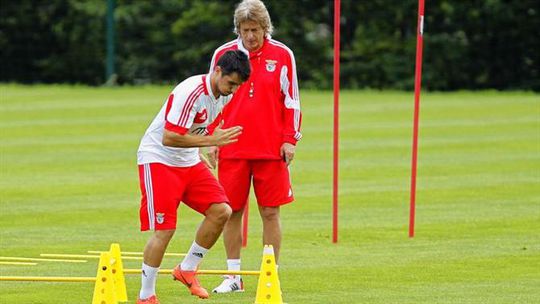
{"points": [[252, 35], [228, 84]]}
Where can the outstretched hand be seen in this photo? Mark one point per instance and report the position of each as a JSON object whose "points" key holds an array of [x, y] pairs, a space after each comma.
{"points": [[226, 136]]}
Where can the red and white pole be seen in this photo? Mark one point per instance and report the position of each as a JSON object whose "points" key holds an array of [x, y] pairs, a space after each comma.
{"points": [[417, 88], [337, 18]]}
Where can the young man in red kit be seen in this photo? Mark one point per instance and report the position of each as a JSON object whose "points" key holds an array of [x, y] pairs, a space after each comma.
{"points": [[267, 106], [171, 171]]}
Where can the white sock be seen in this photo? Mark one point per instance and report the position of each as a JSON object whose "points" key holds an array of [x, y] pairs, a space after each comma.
{"points": [[148, 281], [234, 265], [194, 256]]}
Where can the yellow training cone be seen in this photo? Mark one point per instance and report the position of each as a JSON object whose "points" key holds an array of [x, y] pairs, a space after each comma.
{"points": [[118, 273], [268, 288], [104, 290]]}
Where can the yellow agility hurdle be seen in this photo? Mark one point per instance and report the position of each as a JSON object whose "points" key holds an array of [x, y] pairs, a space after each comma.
{"points": [[224, 272], [82, 256], [110, 284], [3, 258], [124, 253], [268, 286], [48, 279]]}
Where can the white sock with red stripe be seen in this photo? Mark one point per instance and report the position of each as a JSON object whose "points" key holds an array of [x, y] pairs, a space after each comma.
{"points": [[194, 256]]}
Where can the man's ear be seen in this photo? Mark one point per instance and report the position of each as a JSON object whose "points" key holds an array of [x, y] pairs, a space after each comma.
{"points": [[217, 69]]}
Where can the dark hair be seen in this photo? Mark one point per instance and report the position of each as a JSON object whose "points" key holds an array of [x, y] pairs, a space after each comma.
{"points": [[235, 62]]}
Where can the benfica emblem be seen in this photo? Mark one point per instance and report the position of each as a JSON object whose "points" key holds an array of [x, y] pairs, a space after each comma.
{"points": [[160, 218], [271, 65]]}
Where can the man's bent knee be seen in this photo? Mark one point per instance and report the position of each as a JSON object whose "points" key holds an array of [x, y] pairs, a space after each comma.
{"points": [[219, 212], [164, 235]]}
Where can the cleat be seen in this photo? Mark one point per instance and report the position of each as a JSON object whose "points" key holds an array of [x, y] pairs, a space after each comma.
{"points": [[189, 278], [152, 300], [230, 283]]}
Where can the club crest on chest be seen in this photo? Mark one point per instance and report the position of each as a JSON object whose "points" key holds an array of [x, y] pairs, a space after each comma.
{"points": [[271, 65]]}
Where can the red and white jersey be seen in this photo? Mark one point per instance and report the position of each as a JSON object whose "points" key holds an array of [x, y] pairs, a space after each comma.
{"points": [[191, 108], [267, 105]]}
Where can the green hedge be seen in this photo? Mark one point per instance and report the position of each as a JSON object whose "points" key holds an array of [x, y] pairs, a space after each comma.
{"points": [[467, 44]]}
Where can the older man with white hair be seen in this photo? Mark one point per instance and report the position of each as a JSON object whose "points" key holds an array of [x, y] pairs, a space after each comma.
{"points": [[267, 106]]}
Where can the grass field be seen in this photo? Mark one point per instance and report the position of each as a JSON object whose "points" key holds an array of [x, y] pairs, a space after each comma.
{"points": [[69, 184]]}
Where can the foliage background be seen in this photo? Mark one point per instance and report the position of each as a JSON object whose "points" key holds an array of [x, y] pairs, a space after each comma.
{"points": [[467, 44]]}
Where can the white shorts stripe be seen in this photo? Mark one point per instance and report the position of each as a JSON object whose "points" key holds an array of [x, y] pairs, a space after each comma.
{"points": [[149, 196]]}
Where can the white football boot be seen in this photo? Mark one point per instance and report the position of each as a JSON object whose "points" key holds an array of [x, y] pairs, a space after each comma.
{"points": [[231, 283]]}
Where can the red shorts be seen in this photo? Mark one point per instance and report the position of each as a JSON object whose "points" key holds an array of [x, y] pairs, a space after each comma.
{"points": [[164, 187], [271, 182]]}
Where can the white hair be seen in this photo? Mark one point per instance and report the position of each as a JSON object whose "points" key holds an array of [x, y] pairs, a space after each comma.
{"points": [[253, 10]]}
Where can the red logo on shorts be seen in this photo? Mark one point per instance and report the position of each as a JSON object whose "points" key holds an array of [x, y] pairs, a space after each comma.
{"points": [[201, 117]]}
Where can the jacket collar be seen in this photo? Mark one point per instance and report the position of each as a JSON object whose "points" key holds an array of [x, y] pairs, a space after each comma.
{"points": [[253, 54]]}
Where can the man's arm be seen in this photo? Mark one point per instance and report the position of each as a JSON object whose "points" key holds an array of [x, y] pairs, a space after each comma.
{"points": [[289, 88], [219, 137], [293, 115]]}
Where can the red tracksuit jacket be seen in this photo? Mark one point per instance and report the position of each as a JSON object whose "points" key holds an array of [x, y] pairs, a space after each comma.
{"points": [[267, 105]]}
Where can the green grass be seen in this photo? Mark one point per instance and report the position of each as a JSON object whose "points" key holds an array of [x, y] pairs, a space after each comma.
{"points": [[69, 184]]}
